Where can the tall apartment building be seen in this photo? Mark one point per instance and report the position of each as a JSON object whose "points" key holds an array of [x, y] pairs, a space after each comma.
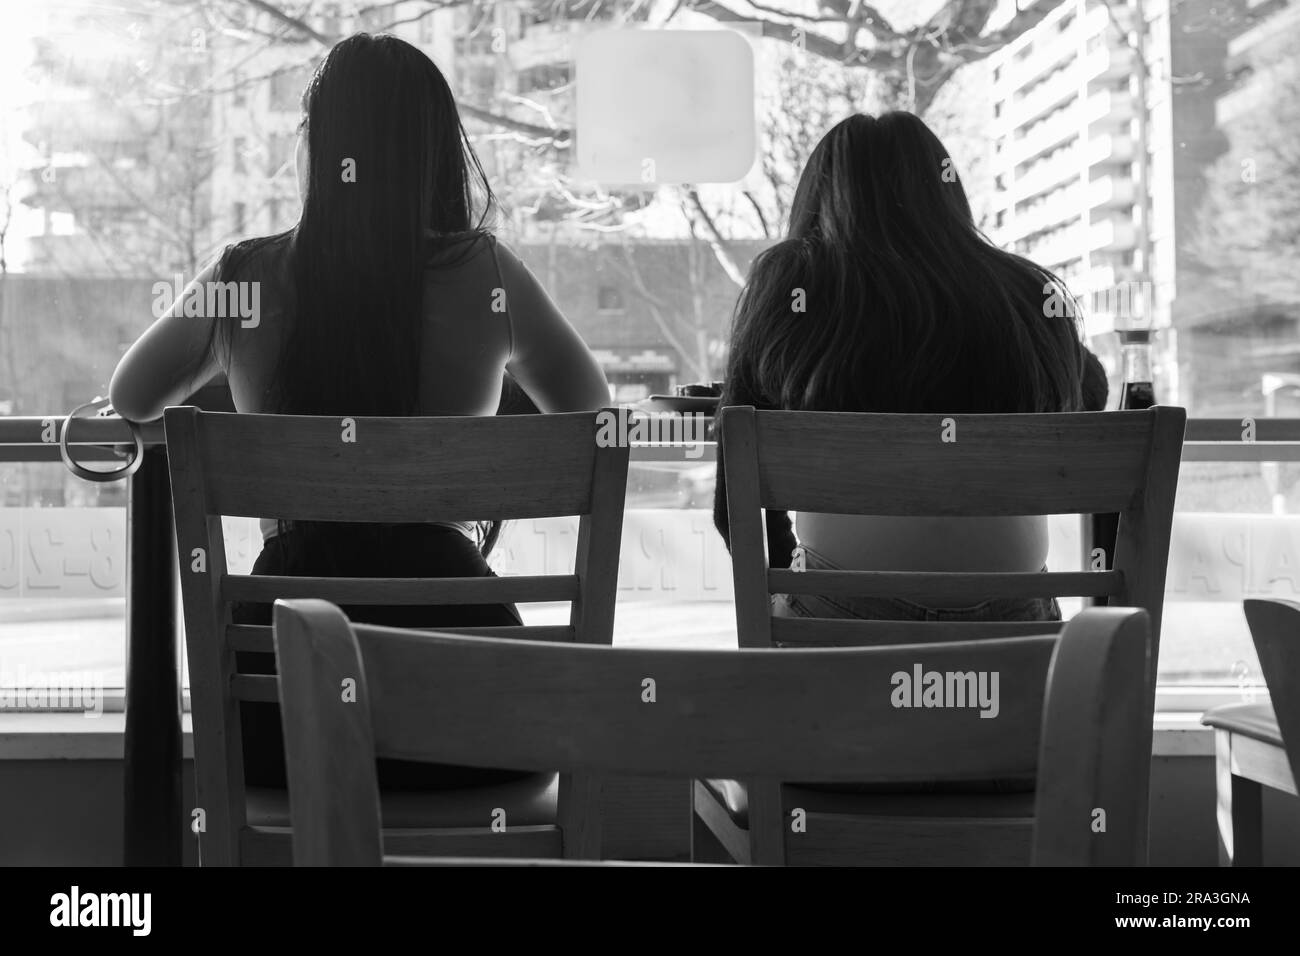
{"points": [[1109, 122], [257, 106], [1066, 136]]}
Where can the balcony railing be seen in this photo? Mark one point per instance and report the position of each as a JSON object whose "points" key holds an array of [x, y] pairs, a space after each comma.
{"points": [[1111, 191]]}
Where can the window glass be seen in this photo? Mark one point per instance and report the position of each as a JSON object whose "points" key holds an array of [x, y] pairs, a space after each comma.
{"points": [[1146, 153]]}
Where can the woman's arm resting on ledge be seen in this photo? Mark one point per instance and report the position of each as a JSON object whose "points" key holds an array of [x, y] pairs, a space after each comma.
{"points": [[548, 359], [168, 363]]}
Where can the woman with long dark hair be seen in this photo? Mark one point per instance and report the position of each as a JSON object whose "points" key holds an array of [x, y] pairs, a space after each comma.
{"points": [[903, 306], [389, 297]]}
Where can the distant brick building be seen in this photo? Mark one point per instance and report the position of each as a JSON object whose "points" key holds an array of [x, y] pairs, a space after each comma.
{"points": [[657, 312]]}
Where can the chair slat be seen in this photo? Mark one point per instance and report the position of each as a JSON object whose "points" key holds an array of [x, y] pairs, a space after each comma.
{"points": [[900, 465], [731, 713], [256, 638], [520, 589], [836, 632], [944, 589], [254, 687], [318, 468], [546, 633], [846, 840]]}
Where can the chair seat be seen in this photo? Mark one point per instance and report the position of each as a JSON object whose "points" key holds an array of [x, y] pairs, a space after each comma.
{"points": [[1257, 721], [527, 802], [732, 796]]}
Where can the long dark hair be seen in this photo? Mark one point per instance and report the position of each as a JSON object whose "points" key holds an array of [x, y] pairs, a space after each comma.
{"points": [[907, 307], [393, 178]]}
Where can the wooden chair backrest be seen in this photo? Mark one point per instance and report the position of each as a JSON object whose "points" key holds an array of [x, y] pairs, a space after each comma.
{"points": [[954, 466], [1066, 707], [371, 470]]}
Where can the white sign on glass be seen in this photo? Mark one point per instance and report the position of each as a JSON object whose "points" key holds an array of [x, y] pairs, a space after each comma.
{"points": [[665, 106]]}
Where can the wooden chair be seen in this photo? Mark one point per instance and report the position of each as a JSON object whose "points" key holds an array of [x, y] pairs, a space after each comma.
{"points": [[1070, 710], [898, 465], [1257, 745], [393, 471]]}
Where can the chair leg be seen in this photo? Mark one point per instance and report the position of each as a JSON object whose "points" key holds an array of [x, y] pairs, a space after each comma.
{"points": [[1245, 836], [1240, 811]]}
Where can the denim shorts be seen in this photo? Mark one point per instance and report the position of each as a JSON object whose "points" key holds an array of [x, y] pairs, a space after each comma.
{"points": [[898, 609]]}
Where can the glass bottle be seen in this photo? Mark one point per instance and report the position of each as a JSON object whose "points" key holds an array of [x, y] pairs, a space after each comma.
{"points": [[1135, 355]]}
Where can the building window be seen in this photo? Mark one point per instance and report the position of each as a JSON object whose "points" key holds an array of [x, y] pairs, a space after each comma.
{"points": [[239, 213], [239, 91], [241, 145], [426, 28], [609, 299], [273, 214]]}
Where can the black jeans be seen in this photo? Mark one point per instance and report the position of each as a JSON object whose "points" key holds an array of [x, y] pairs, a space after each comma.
{"points": [[337, 550]]}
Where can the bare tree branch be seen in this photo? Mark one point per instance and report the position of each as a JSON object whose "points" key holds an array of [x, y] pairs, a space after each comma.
{"points": [[717, 241], [758, 211], [816, 43], [560, 138], [299, 24], [657, 307]]}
